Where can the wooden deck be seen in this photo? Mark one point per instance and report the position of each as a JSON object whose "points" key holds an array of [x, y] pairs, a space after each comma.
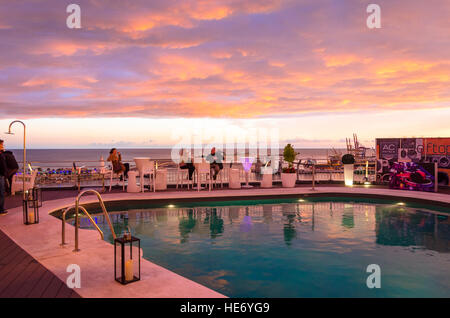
{"points": [[22, 276]]}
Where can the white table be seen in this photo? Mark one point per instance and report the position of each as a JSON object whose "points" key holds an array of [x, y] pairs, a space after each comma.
{"points": [[140, 162]]}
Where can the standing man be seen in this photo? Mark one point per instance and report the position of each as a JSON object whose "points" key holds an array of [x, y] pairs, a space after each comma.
{"points": [[11, 166], [3, 174]]}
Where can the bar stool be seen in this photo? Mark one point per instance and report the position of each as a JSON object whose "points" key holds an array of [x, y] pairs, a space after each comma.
{"points": [[183, 175], [203, 169]]}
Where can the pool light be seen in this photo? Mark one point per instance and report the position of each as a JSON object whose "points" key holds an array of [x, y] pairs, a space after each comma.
{"points": [[171, 206], [401, 203]]}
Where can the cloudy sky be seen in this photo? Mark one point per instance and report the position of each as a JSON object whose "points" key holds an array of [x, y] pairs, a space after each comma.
{"points": [[139, 70]]}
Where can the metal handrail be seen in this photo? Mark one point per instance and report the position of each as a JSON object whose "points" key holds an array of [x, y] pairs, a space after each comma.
{"points": [[105, 213], [63, 227]]}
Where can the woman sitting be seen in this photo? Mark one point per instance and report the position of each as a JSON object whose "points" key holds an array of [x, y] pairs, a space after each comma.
{"points": [[116, 159]]}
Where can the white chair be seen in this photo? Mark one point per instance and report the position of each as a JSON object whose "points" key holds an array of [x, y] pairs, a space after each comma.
{"points": [[144, 168], [221, 176], [17, 182], [183, 175], [203, 170], [119, 175]]}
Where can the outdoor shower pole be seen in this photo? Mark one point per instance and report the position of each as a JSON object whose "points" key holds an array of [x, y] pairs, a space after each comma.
{"points": [[24, 152]]}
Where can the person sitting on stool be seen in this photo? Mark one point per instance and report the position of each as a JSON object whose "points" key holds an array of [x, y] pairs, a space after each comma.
{"points": [[116, 159]]}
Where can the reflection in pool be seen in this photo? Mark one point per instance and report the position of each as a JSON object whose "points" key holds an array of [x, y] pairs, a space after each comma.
{"points": [[297, 249]]}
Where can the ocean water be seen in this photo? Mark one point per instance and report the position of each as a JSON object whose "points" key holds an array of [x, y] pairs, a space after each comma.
{"points": [[61, 158]]}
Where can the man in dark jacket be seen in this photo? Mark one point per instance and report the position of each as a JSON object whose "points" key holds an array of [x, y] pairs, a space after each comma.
{"points": [[12, 167], [3, 174]]}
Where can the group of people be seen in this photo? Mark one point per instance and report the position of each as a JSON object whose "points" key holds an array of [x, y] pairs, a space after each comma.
{"points": [[8, 168], [215, 159]]}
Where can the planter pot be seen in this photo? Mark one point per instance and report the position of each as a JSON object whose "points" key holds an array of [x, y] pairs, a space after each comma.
{"points": [[161, 179], [266, 181], [348, 174], [234, 181], [288, 179]]}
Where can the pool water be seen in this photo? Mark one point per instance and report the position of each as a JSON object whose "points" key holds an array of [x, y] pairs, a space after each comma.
{"points": [[292, 248]]}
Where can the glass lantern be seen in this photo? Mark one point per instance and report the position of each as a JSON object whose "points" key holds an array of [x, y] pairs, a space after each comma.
{"points": [[127, 259], [31, 205], [37, 195]]}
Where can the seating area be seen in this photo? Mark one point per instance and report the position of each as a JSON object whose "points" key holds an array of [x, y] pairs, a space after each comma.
{"points": [[145, 174], [155, 174]]}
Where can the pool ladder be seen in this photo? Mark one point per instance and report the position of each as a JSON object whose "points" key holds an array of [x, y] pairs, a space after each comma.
{"points": [[78, 207]]}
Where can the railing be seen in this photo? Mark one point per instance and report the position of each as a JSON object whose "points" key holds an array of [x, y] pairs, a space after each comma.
{"points": [[77, 223], [63, 227], [91, 174]]}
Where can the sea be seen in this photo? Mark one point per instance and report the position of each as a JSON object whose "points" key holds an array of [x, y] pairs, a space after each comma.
{"points": [[64, 158]]}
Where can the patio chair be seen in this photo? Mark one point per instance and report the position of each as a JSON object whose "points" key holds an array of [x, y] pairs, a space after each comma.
{"points": [[221, 176], [183, 175], [17, 182], [203, 170], [112, 174], [147, 168]]}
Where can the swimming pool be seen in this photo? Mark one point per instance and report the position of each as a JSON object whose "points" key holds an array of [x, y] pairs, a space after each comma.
{"points": [[318, 247]]}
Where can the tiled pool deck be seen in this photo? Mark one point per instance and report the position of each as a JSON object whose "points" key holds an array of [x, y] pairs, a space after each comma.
{"points": [[41, 241]]}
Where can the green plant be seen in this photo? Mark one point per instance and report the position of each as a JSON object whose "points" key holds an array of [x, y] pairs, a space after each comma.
{"points": [[348, 159], [289, 156]]}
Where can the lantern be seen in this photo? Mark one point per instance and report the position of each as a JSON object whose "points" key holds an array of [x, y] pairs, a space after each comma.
{"points": [[37, 195], [31, 204], [127, 259]]}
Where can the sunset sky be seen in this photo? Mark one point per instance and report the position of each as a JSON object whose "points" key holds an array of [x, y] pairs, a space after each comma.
{"points": [[139, 70]]}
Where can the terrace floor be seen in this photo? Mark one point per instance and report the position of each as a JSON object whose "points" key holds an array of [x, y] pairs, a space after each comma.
{"points": [[22, 276]]}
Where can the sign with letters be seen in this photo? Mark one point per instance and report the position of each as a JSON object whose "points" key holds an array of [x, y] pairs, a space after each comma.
{"points": [[421, 151]]}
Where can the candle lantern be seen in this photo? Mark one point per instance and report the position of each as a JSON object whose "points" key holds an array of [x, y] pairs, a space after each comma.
{"points": [[127, 259], [37, 195], [31, 204]]}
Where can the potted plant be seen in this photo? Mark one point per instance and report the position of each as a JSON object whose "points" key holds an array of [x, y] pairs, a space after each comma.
{"points": [[288, 175], [348, 161]]}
